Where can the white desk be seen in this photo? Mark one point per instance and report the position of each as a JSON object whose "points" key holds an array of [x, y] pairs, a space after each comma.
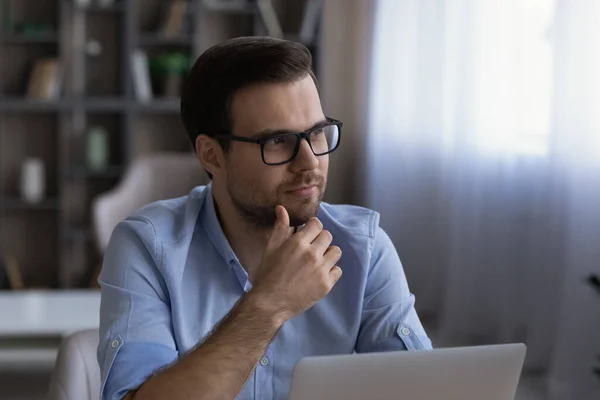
{"points": [[31, 314], [48, 313]]}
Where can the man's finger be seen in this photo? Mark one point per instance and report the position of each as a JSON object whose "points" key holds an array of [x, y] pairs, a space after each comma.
{"points": [[332, 255], [311, 230], [322, 241], [335, 273], [281, 230]]}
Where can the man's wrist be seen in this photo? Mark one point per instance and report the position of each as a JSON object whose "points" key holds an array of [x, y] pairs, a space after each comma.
{"points": [[262, 307]]}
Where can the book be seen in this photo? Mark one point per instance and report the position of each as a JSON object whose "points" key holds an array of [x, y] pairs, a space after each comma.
{"points": [[142, 85], [175, 21], [45, 80], [10, 274]]}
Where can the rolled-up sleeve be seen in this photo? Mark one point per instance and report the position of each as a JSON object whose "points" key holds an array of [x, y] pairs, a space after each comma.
{"points": [[136, 334], [389, 320]]}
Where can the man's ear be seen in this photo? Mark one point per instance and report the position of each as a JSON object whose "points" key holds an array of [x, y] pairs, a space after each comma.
{"points": [[210, 154]]}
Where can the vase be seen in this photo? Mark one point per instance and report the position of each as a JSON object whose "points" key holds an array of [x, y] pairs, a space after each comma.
{"points": [[97, 148], [33, 180]]}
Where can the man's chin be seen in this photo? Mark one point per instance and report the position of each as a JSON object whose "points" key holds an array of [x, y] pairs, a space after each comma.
{"points": [[301, 213]]}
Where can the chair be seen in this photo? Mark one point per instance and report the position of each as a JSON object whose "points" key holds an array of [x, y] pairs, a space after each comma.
{"points": [[149, 178], [157, 176], [76, 374]]}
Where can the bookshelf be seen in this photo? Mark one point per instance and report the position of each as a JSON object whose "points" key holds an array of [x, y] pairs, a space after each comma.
{"points": [[96, 96]]}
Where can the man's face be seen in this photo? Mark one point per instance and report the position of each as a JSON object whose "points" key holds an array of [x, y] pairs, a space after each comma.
{"points": [[256, 188]]}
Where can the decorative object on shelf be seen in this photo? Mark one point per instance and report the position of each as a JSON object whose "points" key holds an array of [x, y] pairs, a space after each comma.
{"points": [[174, 24], [10, 274], [34, 29], [97, 148], [45, 80], [33, 180], [141, 76], [93, 48], [168, 71]]}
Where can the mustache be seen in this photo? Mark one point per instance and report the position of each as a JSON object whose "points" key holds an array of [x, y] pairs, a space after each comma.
{"points": [[307, 179]]}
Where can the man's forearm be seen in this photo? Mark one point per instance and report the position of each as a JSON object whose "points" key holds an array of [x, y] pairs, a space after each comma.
{"points": [[220, 366]]}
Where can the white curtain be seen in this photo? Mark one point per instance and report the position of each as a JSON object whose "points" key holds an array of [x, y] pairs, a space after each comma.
{"points": [[483, 157]]}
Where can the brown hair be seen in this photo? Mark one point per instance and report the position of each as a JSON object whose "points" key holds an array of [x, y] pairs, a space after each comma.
{"points": [[229, 66]]}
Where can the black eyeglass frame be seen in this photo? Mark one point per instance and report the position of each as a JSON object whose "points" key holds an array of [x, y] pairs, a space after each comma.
{"points": [[299, 135]]}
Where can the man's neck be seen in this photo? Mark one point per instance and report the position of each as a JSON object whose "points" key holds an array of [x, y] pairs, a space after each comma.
{"points": [[247, 240]]}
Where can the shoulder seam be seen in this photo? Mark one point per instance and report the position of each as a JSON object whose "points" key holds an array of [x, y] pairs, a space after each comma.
{"points": [[156, 238], [371, 228]]}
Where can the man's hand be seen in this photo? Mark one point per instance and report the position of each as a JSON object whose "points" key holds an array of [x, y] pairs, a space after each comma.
{"points": [[297, 270]]}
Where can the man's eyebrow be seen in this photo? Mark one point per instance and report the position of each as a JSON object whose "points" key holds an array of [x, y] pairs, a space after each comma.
{"points": [[273, 132]]}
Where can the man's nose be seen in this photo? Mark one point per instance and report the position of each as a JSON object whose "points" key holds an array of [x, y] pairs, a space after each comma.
{"points": [[305, 159]]}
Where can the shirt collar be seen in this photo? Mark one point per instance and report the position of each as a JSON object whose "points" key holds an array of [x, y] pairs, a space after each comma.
{"points": [[213, 227], [215, 233]]}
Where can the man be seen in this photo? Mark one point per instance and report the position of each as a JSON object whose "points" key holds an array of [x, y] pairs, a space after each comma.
{"points": [[218, 294]]}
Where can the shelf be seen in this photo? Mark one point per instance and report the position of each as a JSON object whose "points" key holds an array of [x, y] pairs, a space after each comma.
{"points": [[103, 104], [109, 104], [25, 104], [16, 38], [157, 39], [161, 105], [16, 203], [111, 171], [244, 8], [78, 234], [116, 7]]}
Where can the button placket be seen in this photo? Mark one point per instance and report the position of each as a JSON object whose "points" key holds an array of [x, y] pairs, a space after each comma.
{"points": [[264, 376]]}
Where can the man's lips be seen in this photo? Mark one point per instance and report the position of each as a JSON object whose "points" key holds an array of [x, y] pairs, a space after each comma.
{"points": [[305, 190]]}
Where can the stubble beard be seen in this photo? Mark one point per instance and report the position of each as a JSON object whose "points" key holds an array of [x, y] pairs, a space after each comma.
{"points": [[258, 208]]}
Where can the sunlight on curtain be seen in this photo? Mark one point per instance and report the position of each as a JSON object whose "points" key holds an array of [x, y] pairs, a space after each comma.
{"points": [[483, 158], [513, 68]]}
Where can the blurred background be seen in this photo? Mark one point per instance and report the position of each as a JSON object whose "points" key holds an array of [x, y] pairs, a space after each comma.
{"points": [[472, 126]]}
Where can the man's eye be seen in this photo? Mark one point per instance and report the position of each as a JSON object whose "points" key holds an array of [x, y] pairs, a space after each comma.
{"points": [[317, 132], [276, 141]]}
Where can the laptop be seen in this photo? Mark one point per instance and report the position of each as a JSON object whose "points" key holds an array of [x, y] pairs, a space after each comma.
{"points": [[460, 373]]}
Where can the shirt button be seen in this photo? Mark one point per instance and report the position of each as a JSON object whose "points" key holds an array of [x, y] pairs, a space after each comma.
{"points": [[405, 331], [114, 344], [264, 361]]}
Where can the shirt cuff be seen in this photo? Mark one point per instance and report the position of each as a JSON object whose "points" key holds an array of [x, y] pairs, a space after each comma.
{"points": [[131, 365]]}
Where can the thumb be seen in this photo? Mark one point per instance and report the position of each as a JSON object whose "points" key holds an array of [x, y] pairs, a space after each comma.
{"points": [[281, 230]]}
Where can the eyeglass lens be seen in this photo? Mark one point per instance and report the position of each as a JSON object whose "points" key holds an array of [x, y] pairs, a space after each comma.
{"points": [[281, 148]]}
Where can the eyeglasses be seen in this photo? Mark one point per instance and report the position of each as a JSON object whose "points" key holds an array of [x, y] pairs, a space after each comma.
{"points": [[282, 148]]}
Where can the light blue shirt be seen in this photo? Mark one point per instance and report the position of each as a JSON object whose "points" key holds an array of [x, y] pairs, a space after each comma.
{"points": [[169, 276]]}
